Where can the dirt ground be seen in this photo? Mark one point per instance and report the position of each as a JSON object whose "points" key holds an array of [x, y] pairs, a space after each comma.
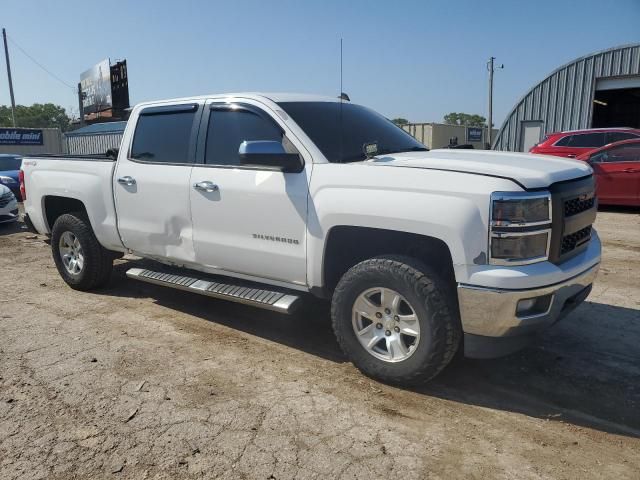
{"points": [[140, 381]]}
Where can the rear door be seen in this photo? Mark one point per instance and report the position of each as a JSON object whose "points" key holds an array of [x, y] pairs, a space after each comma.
{"points": [[617, 172], [151, 182], [583, 142]]}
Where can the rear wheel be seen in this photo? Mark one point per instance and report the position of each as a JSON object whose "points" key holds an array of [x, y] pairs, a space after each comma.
{"points": [[82, 262], [396, 320]]}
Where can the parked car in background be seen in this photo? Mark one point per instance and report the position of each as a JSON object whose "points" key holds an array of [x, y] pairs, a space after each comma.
{"points": [[9, 170], [8, 205], [617, 170], [576, 142]]}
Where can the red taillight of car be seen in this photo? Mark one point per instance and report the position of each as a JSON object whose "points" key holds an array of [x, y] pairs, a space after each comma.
{"points": [[23, 190]]}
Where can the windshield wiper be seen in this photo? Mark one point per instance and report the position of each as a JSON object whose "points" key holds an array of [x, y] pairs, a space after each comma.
{"points": [[411, 149]]}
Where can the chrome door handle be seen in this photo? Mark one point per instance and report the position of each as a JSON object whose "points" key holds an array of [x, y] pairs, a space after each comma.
{"points": [[127, 180], [630, 170], [206, 186]]}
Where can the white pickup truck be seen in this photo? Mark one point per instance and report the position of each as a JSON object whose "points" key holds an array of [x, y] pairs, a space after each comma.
{"points": [[264, 198]]}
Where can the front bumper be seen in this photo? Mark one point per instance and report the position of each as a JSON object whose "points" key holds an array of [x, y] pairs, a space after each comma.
{"points": [[10, 213], [492, 325]]}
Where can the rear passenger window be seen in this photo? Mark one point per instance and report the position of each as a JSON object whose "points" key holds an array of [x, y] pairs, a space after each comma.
{"points": [[613, 137], [563, 142], [164, 135], [587, 140], [229, 128]]}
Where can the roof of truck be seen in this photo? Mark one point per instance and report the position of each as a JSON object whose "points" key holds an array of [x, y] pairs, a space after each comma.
{"points": [[297, 97], [273, 96]]}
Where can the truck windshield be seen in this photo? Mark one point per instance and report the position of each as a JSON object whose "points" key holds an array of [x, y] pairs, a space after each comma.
{"points": [[340, 131], [10, 163]]}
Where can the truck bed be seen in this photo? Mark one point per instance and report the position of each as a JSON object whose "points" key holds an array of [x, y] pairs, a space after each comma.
{"points": [[86, 178]]}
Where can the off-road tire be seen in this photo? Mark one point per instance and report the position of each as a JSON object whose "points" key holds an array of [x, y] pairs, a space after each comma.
{"points": [[98, 261], [434, 304]]}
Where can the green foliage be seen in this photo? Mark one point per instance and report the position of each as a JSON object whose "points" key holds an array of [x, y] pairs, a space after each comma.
{"points": [[400, 121], [466, 119], [38, 115]]}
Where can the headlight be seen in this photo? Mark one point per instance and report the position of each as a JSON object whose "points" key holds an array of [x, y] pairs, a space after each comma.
{"points": [[508, 209], [520, 228], [8, 181]]}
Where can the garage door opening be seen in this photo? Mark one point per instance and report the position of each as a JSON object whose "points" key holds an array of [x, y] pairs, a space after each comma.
{"points": [[616, 108]]}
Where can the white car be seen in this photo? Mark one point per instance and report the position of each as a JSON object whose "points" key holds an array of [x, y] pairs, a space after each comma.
{"points": [[8, 205], [262, 198]]}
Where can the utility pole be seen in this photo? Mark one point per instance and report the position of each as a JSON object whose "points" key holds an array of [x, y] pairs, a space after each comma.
{"points": [[490, 67], [80, 97], [6, 55]]}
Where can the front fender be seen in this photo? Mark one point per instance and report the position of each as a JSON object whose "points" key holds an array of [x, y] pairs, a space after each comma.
{"points": [[449, 206]]}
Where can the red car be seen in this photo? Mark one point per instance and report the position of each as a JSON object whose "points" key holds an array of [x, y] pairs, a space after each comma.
{"points": [[617, 171], [573, 143]]}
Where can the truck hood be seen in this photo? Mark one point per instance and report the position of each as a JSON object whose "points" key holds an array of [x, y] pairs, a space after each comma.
{"points": [[530, 171]]}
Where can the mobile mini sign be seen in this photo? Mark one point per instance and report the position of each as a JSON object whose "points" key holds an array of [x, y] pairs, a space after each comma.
{"points": [[20, 136], [474, 134]]}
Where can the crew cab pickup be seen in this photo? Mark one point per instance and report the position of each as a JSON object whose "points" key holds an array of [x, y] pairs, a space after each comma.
{"points": [[266, 198]]}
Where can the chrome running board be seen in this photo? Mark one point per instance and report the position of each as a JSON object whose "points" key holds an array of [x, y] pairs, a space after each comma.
{"points": [[278, 301]]}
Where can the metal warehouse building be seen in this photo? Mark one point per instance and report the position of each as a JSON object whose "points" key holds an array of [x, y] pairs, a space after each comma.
{"points": [[598, 90], [95, 139]]}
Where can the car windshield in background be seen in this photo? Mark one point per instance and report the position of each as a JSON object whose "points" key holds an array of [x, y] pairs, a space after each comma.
{"points": [[340, 130], [10, 163]]}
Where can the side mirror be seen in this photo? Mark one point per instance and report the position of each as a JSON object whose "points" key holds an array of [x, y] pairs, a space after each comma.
{"points": [[268, 153]]}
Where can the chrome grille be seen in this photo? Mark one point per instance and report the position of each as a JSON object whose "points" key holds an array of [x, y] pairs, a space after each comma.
{"points": [[573, 241], [5, 199]]}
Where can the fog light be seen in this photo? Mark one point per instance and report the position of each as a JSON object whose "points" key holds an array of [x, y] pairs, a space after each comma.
{"points": [[526, 305], [533, 306]]}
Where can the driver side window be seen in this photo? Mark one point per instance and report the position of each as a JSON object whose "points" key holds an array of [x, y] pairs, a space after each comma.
{"points": [[229, 128], [623, 153]]}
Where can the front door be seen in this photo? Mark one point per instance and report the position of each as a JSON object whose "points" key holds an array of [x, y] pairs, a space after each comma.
{"points": [[151, 182], [248, 221], [617, 172]]}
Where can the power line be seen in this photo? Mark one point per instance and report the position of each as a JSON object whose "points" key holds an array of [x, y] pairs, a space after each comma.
{"points": [[42, 66]]}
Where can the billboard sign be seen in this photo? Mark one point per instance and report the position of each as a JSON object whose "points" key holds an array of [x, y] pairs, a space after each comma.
{"points": [[119, 87], [96, 88], [474, 134], [20, 136]]}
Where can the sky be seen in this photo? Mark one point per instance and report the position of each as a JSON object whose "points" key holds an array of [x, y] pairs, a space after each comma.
{"points": [[414, 59]]}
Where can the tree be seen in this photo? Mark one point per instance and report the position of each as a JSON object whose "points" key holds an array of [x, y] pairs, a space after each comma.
{"points": [[400, 121], [465, 119], [38, 115]]}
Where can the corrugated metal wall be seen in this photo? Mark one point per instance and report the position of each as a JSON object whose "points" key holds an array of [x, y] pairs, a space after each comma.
{"points": [[97, 143], [564, 100]]}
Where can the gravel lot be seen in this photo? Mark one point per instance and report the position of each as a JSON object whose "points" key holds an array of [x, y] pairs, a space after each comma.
{"points": [[140, 381]]}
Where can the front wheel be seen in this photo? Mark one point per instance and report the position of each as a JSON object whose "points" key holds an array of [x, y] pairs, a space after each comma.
{"points": [[82, 262], [396, 320]]}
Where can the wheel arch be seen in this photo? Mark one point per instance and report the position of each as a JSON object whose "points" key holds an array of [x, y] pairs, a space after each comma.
{"points": [[348, 245], [54, 206]]}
